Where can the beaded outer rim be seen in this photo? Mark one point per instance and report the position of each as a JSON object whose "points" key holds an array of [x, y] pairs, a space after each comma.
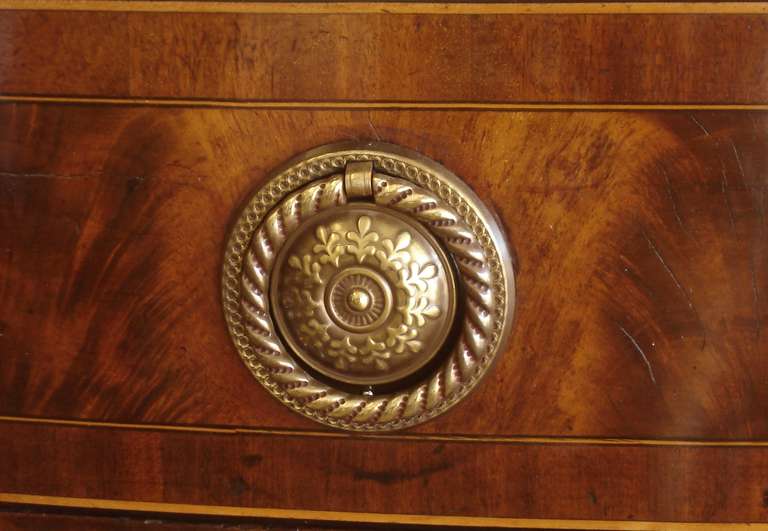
{"points": [[409, 183]]}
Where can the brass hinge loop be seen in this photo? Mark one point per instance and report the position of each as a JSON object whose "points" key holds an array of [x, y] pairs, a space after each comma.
{"points": [[358, 180]]}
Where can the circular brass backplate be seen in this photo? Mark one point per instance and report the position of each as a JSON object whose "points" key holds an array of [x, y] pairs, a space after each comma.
{"points": [[367, 287], [364, 294]]}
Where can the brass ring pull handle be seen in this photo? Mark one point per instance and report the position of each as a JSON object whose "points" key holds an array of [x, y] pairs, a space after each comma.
{"points": [[367, 287]]}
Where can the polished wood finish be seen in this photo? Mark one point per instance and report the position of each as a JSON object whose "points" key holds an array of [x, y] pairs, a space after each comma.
{"points": [[640, 238], [429, 477], [19, 518], [661, 58], [635, 384]]}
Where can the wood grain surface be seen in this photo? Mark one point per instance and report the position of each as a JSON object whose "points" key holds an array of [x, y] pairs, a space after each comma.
{"points": [[34, 518], [19, 518], [661, 58], [640, 240], [630, 483], [635, 385]]}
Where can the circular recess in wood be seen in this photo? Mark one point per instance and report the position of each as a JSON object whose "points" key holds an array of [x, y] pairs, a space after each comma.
{"points": [[367, 287]]}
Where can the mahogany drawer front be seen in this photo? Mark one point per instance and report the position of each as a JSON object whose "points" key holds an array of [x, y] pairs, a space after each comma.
{"points": [[635, 383], [419, 52], [639, 238], [621, 222], [16, 519]]}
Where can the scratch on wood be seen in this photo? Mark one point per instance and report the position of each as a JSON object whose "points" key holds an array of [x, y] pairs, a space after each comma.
{"points": [[373, 128], [673, 201], [667, 268], [680, 287], [755, 298], [642, 353], [699, 124], [761, 201], [755, 131], [738, 159], [724, 188]]}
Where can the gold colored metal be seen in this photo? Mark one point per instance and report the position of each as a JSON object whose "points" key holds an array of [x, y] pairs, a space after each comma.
{"points": [[358, 180], [363, 294], [341, 287], [358, 299]]}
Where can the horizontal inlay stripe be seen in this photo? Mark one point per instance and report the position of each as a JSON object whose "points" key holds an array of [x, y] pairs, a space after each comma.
{"points": [[377, 518], [575, 8], [392, 437], [414, 105]]}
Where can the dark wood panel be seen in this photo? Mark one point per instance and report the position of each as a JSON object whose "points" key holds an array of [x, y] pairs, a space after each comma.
{"points": [[713, 484], [15, 518], [378, 56], [641, 241]]}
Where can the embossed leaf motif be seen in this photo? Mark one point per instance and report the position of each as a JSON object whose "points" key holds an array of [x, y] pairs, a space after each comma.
{"points": [[398, 338], [376, 353], [379, 350], [373, 346], [417, 309], [414, 279], [312, 304], [316, 333], [343, 351], [307, 266], [345, 345], [329, 250], [302, 303], [363, 240], [394, 256]]}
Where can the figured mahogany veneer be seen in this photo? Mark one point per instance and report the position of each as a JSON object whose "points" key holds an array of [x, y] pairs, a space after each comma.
{"points": [[616, 58], [640, 237], [442, 479], [641, 241]]}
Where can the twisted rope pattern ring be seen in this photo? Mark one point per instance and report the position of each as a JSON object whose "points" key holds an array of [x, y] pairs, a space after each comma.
{"points": [[261, 232]]}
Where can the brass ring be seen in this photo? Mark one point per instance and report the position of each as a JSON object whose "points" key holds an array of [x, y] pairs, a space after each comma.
{"points": [[403, 182]]}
